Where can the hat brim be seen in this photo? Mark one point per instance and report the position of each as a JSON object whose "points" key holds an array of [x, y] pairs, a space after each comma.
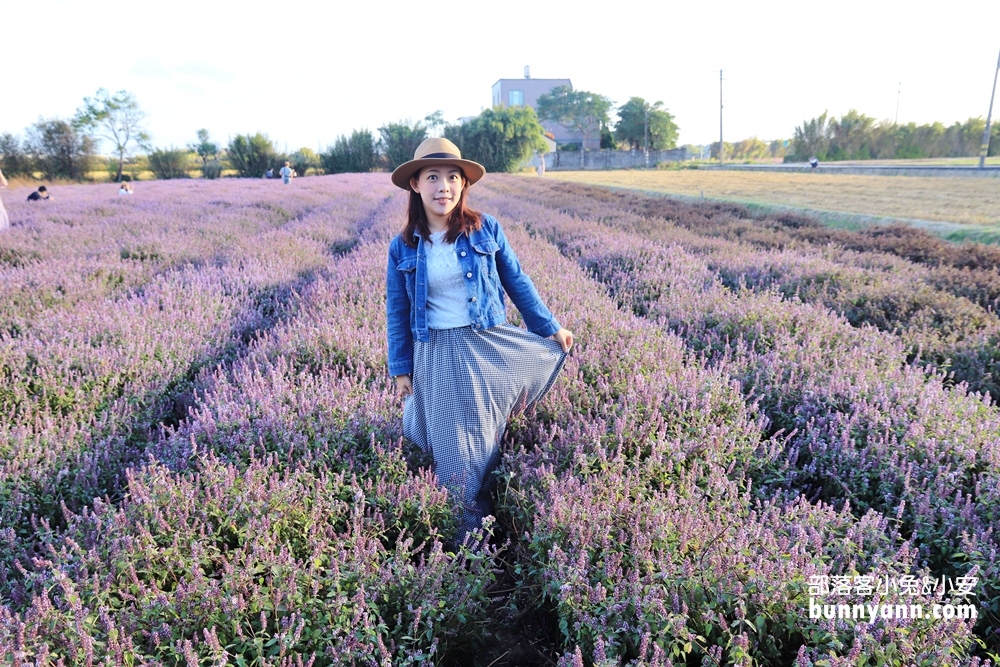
{"points": [[401, 176]]}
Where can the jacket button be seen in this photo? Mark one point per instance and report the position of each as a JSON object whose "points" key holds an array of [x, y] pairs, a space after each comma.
{"points": [[472, 299], [463, 253], [468, 275]]}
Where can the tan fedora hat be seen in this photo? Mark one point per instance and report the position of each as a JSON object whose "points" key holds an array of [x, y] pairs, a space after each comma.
{"points": [[436, 151]]}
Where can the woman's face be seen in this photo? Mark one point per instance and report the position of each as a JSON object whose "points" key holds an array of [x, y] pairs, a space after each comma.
{"points": [[440, 189]]}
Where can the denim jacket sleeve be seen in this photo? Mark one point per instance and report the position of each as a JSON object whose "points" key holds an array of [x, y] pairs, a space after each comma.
{"points": [[397, 315], [521, 290]]}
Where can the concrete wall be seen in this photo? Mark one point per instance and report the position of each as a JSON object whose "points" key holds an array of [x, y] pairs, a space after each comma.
{"points": [[609, 159]]}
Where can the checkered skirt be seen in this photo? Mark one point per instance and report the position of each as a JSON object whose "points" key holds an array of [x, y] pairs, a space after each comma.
{"points": [[466, 385]]}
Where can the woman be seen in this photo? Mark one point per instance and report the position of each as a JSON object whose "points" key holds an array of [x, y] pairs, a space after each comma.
{"points": [[462, 370], [4, 220]]}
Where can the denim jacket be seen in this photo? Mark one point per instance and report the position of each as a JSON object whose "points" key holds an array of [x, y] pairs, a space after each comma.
{"points": [[491, 269]]}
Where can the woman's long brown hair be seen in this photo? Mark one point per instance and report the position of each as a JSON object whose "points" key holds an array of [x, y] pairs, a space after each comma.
{"points": [[462, 218]]}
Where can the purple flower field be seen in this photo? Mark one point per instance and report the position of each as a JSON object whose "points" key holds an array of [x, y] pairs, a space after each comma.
{"points": [[201, 457]]}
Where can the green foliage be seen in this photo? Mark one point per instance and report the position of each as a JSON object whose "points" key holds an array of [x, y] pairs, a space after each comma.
{"points": [[116, 118], [13, 160], [59, 150], [849, 135], [131, 170], [608, 138], [713, 151], [811, 138], [212, 169], [400, 141], [251, 156], [500, 139], [749, 149], [631, 126], [168, 163], [856, 136], [577, 110], [354, 154], [303, 160], [778, 148], [208, 151]]}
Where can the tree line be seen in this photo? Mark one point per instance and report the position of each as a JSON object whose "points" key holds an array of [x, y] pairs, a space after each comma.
{"points": [[58, 148], [750, 149], [501, 139], [855, 136]]}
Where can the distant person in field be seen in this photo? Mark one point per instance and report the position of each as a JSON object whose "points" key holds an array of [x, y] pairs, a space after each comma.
{"points": [[39, 194], [460, 368], [286, 173], [813, 162], [541, 164], [125, 189], [269, 173], [4, 220]]}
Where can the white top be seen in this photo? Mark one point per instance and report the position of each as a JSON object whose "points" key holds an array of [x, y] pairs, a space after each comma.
{"points": [[446, 291]]}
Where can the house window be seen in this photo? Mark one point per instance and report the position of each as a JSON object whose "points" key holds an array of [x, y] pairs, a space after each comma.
{"points": [[515, 98]]}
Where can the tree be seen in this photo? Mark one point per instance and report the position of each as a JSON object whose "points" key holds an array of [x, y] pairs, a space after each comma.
{"points": [[576, 110], [167, 163], [59, 150], [117, 119], [811, 139], [13, 160], [882, 141], [500, 139], [434, 123], [304, 159], [748, 149], [400, 141], [252, 156], [355, 154], [631, 126], [608, 138], [206, 150], [849, 136], [713, 150]]}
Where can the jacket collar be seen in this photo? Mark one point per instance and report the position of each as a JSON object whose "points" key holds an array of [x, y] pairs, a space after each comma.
{"points": [[476, 236]]}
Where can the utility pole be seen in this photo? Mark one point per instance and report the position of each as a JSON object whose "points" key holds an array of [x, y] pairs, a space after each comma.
{"points": [[984, 149], [722, 146]]}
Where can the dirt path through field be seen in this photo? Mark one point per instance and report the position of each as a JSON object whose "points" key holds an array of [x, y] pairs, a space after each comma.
{"points": [[967, 202]]}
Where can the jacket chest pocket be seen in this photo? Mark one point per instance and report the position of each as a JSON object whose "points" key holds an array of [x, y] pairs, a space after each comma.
{"points": [[485, 254], [408, 267], [486, 257]]}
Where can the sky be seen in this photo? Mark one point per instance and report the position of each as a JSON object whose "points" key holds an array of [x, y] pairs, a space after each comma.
{"points": [[306, 72]]}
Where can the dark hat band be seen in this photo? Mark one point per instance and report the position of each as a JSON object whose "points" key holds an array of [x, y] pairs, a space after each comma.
{"points": [[447, 155]]}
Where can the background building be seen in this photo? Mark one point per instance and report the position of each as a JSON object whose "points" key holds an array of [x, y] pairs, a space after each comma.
{"points": [[526, 91]]}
